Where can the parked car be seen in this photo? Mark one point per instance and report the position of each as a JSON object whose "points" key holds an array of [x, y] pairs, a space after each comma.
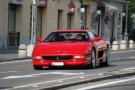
{"points": [[71, 48]]}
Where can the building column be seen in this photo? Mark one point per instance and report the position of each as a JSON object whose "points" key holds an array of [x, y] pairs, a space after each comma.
{"points": [[3, 23]]}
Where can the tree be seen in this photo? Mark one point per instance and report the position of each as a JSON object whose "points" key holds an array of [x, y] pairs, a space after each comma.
{"points": [[131, 17]]}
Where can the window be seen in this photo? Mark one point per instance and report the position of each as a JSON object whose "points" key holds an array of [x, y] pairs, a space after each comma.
{"points": [[60, 18], [13, 34], [11, 18], [70, 21], [39, 21], [67, 36], [91, 35], [13, 39]]}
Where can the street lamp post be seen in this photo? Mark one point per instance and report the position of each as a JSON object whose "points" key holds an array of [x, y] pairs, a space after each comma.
{"points": [[81, 10], [98, 12], [33, 22], [126, 32], [122, 15]]}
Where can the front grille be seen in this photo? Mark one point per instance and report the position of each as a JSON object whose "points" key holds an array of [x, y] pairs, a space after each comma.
{"points": [[57, 57]]}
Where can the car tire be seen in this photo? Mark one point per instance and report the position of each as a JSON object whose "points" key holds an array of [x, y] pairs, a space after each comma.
{"points": [[107, 62], [37, 67], [93, 60]]}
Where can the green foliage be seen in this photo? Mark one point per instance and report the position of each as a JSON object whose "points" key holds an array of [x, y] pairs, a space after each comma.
{"points": [[131, 6], [131, 10]]}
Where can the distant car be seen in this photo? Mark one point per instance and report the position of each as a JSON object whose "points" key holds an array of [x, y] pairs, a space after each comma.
{"points": [[71, 48]]}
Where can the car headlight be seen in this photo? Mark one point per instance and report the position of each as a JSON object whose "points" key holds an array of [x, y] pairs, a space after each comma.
{"points": [[37, 57], [79, 56]]}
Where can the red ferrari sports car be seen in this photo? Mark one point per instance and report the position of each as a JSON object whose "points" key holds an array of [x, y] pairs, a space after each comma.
{"points": [[71, 48]]}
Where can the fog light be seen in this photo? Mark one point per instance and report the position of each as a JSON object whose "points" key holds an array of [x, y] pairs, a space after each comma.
{"points": [[38, 57], [79, 56]]}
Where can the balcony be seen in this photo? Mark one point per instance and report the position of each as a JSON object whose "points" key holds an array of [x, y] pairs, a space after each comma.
{"points": [[42, 3], [16, 2]]}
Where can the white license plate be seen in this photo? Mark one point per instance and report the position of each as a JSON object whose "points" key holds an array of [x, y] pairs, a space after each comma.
{"points": [[57, 64]]}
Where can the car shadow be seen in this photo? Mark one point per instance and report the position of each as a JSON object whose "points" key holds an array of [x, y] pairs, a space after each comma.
{"points": [[76, 68]]}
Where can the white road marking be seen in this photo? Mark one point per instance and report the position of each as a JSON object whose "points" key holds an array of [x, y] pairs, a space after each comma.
{"points": [[81, 77], [57, 80], [106, 84], [8, 72], [35, 75], [118, 58], [132, 57], [15, 77], [133, 68], [122, 58], [122, 51], [8, 62]]}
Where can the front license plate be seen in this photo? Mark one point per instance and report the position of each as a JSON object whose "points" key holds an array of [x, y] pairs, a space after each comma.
{"points": [[57, 64]]}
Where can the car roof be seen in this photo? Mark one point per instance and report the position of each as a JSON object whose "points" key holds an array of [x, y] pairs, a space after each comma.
{"points": [[71, 30]]}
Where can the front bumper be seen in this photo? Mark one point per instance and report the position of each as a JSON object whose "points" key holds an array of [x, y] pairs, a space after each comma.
{"points": [[71, 62]]}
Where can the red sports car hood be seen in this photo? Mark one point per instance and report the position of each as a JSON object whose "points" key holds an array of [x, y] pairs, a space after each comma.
{"points": [[61, 48]]}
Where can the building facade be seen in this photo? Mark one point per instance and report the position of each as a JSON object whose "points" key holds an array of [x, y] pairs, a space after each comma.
{"points": [[101, 16]]}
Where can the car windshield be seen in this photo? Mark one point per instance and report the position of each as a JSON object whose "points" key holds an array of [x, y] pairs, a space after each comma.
{"points": [[67, 36]]}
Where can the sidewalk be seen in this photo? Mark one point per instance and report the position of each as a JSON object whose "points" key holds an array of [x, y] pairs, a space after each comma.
{"points": [[9, 55]]}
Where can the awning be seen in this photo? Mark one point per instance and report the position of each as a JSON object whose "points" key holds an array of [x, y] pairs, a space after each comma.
{"points": [[110, 6]]}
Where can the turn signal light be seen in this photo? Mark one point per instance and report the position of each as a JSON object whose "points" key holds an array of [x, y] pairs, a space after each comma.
{"points": [[79, 56], [37, 57]]}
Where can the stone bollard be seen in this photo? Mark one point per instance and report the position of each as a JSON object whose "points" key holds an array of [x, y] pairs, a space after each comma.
{"points": [[29, 50], [22, 51], [131, 44], [123, 45], [115, 45]]}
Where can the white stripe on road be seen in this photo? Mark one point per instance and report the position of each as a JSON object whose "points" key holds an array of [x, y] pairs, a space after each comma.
{"points": [[35, 75], [8, 72], [51, 81], [56, 72], [14, 61], [118, 58], [122, 51], [105, 84], [133, 68], [132, 57], [69, 78], [123, 58]]}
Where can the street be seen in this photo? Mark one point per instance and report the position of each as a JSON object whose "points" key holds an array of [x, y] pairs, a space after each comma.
{"points": [[20, 74], [127, 83], [37, 34]]}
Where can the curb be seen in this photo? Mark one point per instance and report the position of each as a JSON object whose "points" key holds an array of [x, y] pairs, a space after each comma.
{"points": [[88, 79], [77, 80]]}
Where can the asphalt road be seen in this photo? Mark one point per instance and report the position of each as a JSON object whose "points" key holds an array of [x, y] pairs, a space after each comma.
{"points": [[20, 74], [127, 83]]}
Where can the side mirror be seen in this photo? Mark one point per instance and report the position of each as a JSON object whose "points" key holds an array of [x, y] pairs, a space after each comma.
{"points": [[96, 39], [39, 40]]}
